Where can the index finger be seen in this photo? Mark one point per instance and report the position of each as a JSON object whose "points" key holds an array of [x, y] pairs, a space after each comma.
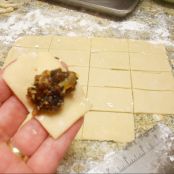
{"points": [[5, 92]]}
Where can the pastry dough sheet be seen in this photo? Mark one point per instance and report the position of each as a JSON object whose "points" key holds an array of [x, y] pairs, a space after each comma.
{"points": [[107, 126], [153, 80], [116, 74], [159, 102], [111, 99]]}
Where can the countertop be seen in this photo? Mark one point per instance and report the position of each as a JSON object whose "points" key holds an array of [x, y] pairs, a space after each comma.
{"points": [[152, 20]]}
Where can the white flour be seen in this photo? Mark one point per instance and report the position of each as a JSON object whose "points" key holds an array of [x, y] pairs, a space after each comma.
{"points": [[61, 21]]}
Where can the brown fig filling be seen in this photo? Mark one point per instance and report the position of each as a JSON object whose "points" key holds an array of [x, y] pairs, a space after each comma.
{"points": [[49, 89]]}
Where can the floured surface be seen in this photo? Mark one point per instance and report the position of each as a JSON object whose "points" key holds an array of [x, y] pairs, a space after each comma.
{"points": [[106, 71], [25, 68]]}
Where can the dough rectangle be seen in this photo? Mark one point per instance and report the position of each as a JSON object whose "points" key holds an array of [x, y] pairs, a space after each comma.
{"points": [[79, 135], [140, 46], [157, 102], [17, 52], [149, 62], [112, 60], [82, 73], [107, 126], [109, 44], [72, 58], [109, 78], [70, 43], [111, 99], [153, 80], [34, 41]]}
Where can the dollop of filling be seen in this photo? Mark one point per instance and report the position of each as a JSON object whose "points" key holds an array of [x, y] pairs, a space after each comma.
{"points": [[49, 89]]}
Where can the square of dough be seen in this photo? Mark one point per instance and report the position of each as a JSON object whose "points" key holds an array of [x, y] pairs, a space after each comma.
{"points": [[157, 102], [112, 60], [111, 99], [79, 135], [149, 62], [109, 126], [73, 58], [34, 41], [16, 52], [109, 78], [109, 44], [153, 80], [85, 88], [71, 43], [20, 75], [82, 73], [140, 46]]}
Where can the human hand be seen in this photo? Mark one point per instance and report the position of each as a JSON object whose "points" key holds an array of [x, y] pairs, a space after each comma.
{"points": [[43, 152]]}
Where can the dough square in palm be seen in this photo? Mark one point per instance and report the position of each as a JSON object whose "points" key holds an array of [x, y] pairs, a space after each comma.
{"points": [[16, 52], [157, 102], [141, 46], [153, 80], [109, 126], [109, 78], [72, 58], [149, 62], [34, 41], [109, 44], [71, 43], [112, 60], [111, 99], [82, 73], [79, 135]]}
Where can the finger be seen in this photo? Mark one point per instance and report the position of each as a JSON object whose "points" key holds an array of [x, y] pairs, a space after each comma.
{"points": [[18, 168], [5, 92], [29, 137], [52, 151], [12, 114], [10, 163], [6, 157]]}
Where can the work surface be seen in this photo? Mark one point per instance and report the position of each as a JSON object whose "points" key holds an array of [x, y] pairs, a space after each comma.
{"points": [[150, 21]]}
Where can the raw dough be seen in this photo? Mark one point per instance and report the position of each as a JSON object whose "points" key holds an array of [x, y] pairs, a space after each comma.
{"points": [[34, 42], [109, 78], [82, 73], [149, 62], [73, 58], [112, 60], [111, 99], [16, 52], [80, 133], [20, 75], [70, 43], [140, 46], [157, 102], [109, 44], [85, 90], [108, 126], [153, 80]]}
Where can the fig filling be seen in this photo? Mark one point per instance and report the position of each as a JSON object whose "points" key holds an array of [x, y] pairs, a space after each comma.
{"points": [[49, 89]]}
